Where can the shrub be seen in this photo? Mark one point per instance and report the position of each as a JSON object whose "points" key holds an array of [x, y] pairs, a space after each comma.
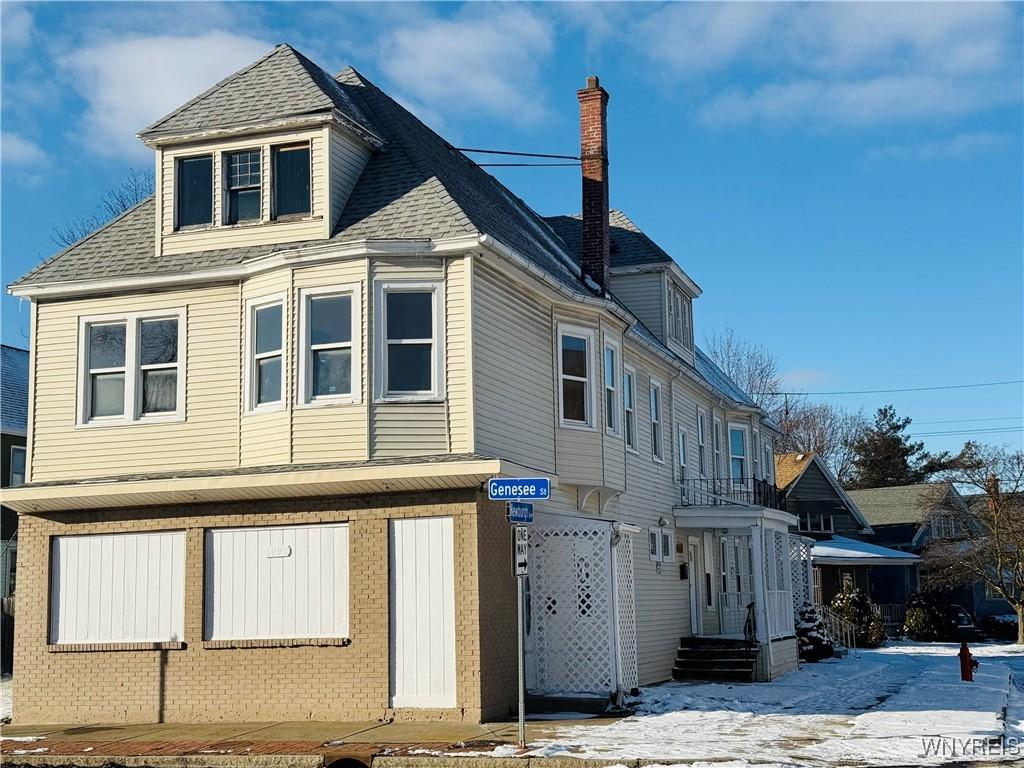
{"points": [[854, 606], [929, 619], [812, 636]]}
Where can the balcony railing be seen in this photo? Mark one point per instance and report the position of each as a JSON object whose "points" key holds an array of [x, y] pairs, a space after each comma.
{"points": [[736, 491]]}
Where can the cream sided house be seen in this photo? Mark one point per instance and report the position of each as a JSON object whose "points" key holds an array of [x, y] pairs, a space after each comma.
{"points": [[265, 402]]}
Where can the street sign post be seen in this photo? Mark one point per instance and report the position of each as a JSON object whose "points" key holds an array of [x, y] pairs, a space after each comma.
{"points": [[520, 560], [520, 512], [522, 549]]}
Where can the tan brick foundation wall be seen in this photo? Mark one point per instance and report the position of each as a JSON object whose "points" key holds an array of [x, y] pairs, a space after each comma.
{"points": [[311, 682]]}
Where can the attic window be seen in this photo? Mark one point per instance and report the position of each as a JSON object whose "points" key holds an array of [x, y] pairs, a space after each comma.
{"points": [[243, 171], [195, 191], [291, 181]]}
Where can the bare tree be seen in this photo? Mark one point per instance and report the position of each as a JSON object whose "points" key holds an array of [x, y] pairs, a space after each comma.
{"points": [[751, 366], [981, 540], [136, 186], [825, 429]]}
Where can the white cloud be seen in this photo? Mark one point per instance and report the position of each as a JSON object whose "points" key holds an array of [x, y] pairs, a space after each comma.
{"points": [[17, 150], [483, 62], [955, 147], [16, 26], [130, 82], [854, 62]]}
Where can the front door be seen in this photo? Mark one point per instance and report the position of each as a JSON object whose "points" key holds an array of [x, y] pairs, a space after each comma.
{"points": [[696, 599], [422, 612]]}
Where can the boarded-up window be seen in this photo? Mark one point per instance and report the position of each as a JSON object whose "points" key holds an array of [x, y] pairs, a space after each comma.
{"points": [[118, 588], [276, 582]]}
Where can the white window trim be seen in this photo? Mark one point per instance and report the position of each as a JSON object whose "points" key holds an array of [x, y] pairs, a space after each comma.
{"points": [[132, 370], [682, 451], [702, 442], [746, 444], [657, 386], [755, 450], [304, 391], [214, 172], [437, 374], [588, 334], [250, 370], [24, 464], [655, 556], [631, 371], [769, 458], [716, 448], [661, 554], [616, 429]]}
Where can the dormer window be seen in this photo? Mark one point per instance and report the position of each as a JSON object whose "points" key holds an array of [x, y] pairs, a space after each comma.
{"points": [[195, 191], [291, 181], [243, 182], [679, 320]]}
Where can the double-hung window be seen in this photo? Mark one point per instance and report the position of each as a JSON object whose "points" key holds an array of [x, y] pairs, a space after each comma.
{"points": [[265, 379], [702, 448], [681, 452], [574, 369], [629, 406], [17, 465], [194, 185], [291, 181], [738, 455], [611, 389], [718, 449], [243, 186], [410, 341], [131, 367], [657, 446], [330, 330], [661, 544]]}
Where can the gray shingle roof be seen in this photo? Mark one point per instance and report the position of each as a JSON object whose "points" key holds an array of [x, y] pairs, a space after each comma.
{"points": [[899, 504], [718, 378], [284, 83], [13, 389], [630, 247]]}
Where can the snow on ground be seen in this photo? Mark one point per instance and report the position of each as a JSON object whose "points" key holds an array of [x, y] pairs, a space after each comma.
{"points": [[5, 697], [899, 705]]}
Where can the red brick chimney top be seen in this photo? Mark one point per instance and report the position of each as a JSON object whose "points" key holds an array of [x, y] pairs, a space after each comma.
{"points": [[595, 256]]}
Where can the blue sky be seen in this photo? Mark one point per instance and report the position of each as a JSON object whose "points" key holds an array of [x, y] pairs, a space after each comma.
{"points": [[844, 181]]}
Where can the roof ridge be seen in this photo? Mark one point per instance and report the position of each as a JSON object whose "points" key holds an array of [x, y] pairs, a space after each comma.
{"points": [[214, 88], [83, 239]]}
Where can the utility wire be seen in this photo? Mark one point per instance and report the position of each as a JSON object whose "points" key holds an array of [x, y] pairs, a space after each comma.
{"points": [[522, 165], [991, 430], [515, 154], [964, 421], [904, 389]]}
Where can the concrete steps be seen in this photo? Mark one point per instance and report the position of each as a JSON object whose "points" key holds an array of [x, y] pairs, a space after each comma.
{"points": [[715, 659]]}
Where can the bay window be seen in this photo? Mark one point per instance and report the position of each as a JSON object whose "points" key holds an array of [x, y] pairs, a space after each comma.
{"points": [[574, 368], [265, 353], [702, 448], [738, 455], [681, 452], [131, 367], [657, 447], [611, 386], [329, 369], [410, 341]]}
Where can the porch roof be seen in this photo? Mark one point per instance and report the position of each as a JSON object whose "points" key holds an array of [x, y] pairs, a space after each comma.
{"points": [[840, 550]]}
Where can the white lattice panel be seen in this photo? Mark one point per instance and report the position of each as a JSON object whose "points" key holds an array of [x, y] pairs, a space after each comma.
{"points": [[571, 606], [780, 559], [626, 612], [799, 554]]}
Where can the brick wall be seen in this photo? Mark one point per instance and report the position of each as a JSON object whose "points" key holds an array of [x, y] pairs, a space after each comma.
{"points": [[259, 684]]}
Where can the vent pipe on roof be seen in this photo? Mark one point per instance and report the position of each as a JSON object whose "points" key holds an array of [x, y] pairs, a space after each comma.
{"points": [[595, 256]]}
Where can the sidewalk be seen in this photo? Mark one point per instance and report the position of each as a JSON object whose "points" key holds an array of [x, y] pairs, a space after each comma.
{"points": [[277, 745]]}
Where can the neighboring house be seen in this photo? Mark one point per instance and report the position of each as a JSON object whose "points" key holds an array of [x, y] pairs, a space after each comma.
{"points": [[908, 517], [845, 552], [267, 401], [13, 428]]}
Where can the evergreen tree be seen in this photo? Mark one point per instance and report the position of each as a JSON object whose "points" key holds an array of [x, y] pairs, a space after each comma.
{"points": [[884, 455]]}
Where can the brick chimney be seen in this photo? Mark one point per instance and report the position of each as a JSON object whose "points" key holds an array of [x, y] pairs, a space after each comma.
{"points": [[595, 254]]}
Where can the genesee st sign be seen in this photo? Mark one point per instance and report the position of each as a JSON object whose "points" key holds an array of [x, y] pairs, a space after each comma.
{"points": [[518, 489]]}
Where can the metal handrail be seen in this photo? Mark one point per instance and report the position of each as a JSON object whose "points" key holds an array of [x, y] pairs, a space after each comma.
{"points": [[841, 630], [737, 491]]}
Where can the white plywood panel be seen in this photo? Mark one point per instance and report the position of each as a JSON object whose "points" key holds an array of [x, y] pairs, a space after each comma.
{"points": [[123, 587], [422, 613], [276, 582]]}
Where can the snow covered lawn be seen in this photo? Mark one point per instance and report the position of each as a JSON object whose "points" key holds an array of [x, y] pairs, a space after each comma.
{"points": [[899, 705]]}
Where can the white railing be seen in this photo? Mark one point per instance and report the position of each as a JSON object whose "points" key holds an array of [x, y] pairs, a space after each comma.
{"points": [[732, 611], [843, 632], [780, 613]]}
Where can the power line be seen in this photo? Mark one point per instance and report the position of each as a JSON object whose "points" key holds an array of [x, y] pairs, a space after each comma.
{"points": [[964, 421], [514, 154], [904, 389], [523, 165], [990, 430]]}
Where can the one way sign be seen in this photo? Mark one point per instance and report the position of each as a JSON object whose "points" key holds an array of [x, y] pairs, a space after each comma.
{"points": [[521, 549]]}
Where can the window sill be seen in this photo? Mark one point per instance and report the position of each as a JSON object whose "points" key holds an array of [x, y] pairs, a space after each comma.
{"points": [[399, 399], [274, 408], [327, 402], [105, 647], [139, 422], [291, 642], [577, 426]]}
